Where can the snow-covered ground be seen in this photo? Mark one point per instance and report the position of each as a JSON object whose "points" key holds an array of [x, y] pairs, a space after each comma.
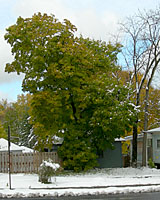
{"points": [[106, 181]]}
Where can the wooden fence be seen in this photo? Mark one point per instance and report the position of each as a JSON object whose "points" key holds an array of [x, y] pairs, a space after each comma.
{"points": [[25, 162]]}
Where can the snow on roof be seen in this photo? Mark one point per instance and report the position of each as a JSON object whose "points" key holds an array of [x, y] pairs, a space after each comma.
{"points": [[57, 140], [26, 149], [139, 136], [130, 137], [4, 146], [119, 139], [13, 147], [153, 130]]}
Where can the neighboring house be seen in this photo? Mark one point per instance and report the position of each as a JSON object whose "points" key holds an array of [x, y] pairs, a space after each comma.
{"points": [[26, 149], [153, 146], [13, 148], [57, 142], [109, 158], [112, 158]]}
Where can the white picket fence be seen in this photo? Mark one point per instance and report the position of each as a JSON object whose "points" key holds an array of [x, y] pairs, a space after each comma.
{"points": [[25, 162]]}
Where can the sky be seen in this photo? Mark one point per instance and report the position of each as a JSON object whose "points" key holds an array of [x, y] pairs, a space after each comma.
{"points": [[97, 19]]}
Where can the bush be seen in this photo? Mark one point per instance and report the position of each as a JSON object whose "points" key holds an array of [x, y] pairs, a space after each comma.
{"points": [[151, 163], [77, 155], [48, 169]]}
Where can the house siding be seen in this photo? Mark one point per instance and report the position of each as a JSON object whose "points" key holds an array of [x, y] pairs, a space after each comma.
{"points": [[156, 150], [112, 158]]}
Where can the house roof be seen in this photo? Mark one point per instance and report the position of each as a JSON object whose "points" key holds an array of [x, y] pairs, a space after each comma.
{"points": [[139, 136], [13, 147], [130, 137], [149, 134], [154, 130], [26, 149]]}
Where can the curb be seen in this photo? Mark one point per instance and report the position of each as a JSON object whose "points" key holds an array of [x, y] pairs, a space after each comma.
{"points": [[95, 187]]}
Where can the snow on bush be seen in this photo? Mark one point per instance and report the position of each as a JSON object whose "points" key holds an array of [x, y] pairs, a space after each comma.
{"points": [[48, 169], [54, 166]]}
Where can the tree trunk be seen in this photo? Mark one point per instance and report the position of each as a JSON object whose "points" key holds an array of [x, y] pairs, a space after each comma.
{"points": [[134, 144], [135, 132], [144, 152]]}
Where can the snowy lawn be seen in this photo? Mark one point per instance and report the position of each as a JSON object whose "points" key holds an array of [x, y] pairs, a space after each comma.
{"points": [[106, 181]]}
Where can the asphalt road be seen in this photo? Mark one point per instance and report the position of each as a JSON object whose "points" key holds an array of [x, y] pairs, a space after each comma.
{"points": [[137, 196]]}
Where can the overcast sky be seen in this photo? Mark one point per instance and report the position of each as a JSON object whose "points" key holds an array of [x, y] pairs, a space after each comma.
{"points": [[96, 19]]}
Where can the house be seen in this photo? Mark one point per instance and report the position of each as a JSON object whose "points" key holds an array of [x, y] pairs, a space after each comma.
{"points": [[112, 158], [57, 142], [140, 146], [153, 146], [13, 148]]}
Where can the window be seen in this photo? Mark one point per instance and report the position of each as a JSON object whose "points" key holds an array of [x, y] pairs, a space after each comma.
{"points": [[149, 142], [158, 144]]}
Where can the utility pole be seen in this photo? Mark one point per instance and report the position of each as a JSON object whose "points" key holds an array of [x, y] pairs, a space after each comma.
{"points": [[9, 157]]}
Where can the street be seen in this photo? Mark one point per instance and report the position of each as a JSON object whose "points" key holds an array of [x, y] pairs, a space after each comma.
{"points": [[132, 196]]}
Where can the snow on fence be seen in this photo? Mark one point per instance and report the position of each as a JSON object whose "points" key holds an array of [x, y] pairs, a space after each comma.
{"points": [[25, 162]]}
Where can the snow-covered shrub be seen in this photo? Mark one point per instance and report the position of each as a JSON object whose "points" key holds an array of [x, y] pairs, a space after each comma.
{"points": [[48, 169]]}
